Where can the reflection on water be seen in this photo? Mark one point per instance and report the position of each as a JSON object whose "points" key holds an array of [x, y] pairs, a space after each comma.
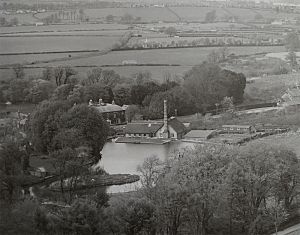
{"points": [[119, 158]]}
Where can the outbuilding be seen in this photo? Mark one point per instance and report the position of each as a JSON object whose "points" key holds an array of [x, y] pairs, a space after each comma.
{"points": [[201, 135], [238, 129]]}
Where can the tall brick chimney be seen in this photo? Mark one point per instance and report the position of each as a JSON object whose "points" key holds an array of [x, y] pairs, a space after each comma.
{"points": [[165, 126]]}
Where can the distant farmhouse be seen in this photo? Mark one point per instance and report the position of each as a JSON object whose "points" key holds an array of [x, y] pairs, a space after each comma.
{"points": [[168, 128], [112, 113]]}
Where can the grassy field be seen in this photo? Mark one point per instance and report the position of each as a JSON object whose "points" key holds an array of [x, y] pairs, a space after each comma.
{"points": [[181, 56], [198, 13], [62, 28], [290, 140], [53, 43], [273, 85], [146, 14], [31, 59], [186, 58]]}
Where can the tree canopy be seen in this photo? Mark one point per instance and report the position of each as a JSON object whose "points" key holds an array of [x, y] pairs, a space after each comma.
{"points": [[209, 84], [58, 124]]}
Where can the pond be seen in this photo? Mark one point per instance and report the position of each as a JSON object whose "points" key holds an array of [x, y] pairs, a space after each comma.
{"points": [[120, 158]]}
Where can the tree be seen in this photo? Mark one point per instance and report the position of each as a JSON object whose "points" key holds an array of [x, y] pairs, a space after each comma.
{"points": [[131, 112], [62, 92], [81, 14], [48, 74], [122, 94], [109, 18], [209, 84], [139, 92], [210, 17], [109, 78], [82, 217], [135, 216], [227, 104], [277, 212], [71, 169], [286, 185], [292, 42], [63, 75], [251, 178], [143, 77], [19, 71], [40, 90], [51, 120], [292, 58], [150, 172], [18, 90], [106, 78], [187, 193], [127, 19], [11, 172], [171, 31]]}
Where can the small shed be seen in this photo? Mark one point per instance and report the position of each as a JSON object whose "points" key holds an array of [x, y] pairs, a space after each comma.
{"points": [[201, 134], [238, 129]]}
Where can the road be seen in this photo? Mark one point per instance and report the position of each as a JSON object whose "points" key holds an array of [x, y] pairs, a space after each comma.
{"points": [[294, 230]]}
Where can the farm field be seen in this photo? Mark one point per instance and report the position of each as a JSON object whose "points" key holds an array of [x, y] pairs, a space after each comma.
{"points": [[63, 28], [180, 56], [30, 58], [53, 43], [101, 33], [186, 58], [197, 13], [244, 15], [147, 14]]}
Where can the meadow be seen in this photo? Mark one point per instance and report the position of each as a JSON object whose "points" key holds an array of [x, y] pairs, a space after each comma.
{"points": [[54, 43], [185, 58], [180, 56], [146, 14], [63, 28]]}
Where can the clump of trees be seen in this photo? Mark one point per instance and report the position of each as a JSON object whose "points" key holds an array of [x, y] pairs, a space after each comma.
{"points": [[201, 88], [210, 17], [208, 84], [212, 189]]}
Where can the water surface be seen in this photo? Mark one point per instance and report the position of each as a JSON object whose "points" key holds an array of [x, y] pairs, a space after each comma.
{"points": [[120, 158]]}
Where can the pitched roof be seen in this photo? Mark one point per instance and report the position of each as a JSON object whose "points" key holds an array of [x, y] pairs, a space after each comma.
{"points": [[199, 133], [143, 127], [107, 108], [176, 125]]}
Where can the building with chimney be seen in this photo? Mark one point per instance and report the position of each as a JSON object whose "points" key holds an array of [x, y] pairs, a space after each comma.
{"points": [[112, 113], [169, 128]]}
